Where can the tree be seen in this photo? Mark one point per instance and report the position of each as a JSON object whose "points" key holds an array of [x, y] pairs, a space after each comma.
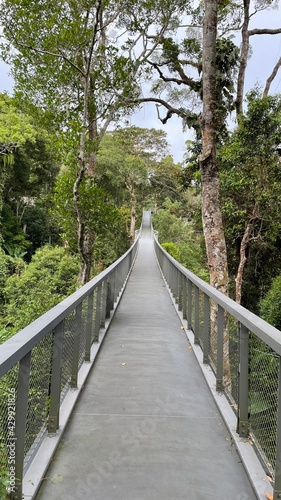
{"points": [[250, 175], [15, 129], [29, 180], [270, 305], [211, 211], [246, 33], [78, 62], [51, 276], [105, 222], [130, 162], [179, 65]]}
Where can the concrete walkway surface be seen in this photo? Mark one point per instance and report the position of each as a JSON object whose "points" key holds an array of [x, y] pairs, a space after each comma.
{"points": [[146, 426]]}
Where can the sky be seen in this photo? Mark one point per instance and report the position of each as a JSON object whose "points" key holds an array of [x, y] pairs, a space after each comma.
{"points": [[266, 50]]}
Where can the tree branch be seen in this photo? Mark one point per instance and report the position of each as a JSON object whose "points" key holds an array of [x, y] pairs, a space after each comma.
{"points": [[59, 55], [184, 79], [264, 31], [96, 27], [271, 78], [160, 102]]}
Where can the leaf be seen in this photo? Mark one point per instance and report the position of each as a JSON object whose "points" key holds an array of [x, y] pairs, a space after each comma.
{"points": [[182, 327], [269, 496], [190, 347], [269, 478], [123, 364]]}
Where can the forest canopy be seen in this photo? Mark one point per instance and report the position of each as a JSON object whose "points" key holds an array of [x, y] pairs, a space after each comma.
{"points": [[76, 176]]}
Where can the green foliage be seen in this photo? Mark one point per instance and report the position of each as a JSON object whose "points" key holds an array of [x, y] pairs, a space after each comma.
{"points": [[250, 187], [270, 305], [9, 265], [179, 237], [51, 275], [104, 221], [172, 249], [15, 127]]}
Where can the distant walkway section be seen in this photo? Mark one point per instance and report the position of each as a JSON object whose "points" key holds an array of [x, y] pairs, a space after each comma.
{"points": [[146, 426]]}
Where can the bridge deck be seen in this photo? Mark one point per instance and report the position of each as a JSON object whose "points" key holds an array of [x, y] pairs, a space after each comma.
{"points": [[146, 426]]}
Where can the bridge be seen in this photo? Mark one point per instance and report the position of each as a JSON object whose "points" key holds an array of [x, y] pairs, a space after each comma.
{"points": [[145, 384]]}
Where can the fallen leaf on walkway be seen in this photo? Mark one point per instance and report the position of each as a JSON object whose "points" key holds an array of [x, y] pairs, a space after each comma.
{"points": [[56, 479], [269, 496], [123, 364], [269, 478], [190, 347], [182, 327]]}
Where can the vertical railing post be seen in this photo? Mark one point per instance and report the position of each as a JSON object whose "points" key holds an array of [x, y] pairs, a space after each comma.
{"points": [[103, 303], [220, 335], [180, 290], [110, 296], [20, 423], [130, 261], [177, 285], [220, 330], [243, 382], [77, 335], [115, 284], [277, 481], [206, 339], [98, 314], [171, 278], [189, 303], [184, 298], [53, 421], [196, 315], [89, 327]]}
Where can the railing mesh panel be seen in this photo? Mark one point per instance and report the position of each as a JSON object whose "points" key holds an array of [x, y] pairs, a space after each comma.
{"points": [[263, 394], [231, 359], [190, 304], [38, 397], [82, 342], [94, 315], [213, 335], [67, 352], [201, 319], [8, 391]]}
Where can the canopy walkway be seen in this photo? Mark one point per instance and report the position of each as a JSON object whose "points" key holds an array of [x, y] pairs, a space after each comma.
{"points": [[153, 420]]}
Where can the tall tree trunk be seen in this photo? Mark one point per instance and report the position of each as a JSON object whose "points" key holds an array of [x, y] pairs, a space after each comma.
{"points": [[85, 268], [93, 130], [133, 217], [82, 233], [242, 262], [243, 58], [211, 210]]}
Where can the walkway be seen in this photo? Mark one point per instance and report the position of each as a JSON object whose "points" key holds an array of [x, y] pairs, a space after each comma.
{"points": [[146, 426]]}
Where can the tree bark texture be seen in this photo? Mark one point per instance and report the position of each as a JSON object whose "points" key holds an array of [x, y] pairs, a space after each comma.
{"points": [[242, 262], [243, 58], [271, 77], [133, 216], [211, 210]]}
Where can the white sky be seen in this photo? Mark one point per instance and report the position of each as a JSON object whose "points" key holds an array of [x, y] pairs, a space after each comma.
{"points": [[266, 52]]}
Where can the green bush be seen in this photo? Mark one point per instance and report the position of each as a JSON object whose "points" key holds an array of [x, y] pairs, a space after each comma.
{"points": [[178, 236], [172, 249], [51, 275], [270, 305]]}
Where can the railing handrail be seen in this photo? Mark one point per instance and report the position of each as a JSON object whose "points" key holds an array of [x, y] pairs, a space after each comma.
{"points": [[15, 348], [264, 331]]}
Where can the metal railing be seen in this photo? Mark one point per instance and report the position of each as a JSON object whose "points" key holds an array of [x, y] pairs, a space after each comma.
{"points": [[40, 364], [244, 353]]}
